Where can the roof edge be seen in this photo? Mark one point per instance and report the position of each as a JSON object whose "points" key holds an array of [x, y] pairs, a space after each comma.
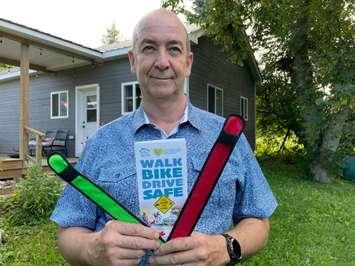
{"points": [[40, 37]]}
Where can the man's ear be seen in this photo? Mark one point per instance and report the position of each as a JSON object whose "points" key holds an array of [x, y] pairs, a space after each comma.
{"points": [[132, 61], [190, 59]]}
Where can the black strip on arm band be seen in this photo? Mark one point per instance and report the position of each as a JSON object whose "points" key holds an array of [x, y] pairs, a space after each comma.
{"points": [[69, 174], [227, 139]]}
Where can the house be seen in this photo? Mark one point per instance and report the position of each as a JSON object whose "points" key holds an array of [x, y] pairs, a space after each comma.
{"points": [[78, 88]]}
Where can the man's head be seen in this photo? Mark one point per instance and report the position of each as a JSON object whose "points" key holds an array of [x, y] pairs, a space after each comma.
{"points": [[160, 56]]}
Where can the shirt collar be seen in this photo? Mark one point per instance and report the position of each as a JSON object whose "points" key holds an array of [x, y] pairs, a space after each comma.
{"points": [[194, 116], [183, 119], [190, 115]]}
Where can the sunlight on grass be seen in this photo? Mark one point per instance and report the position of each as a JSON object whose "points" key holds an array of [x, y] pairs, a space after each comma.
{"points": [[313, 224]]}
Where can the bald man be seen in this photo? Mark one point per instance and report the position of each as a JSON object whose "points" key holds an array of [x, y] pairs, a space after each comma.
{"points": [[161, 59]]}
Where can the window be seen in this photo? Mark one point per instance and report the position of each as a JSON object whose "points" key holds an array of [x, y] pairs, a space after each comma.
{"points": [[244, 107], [131, 96], [91, 108], [59, 104], [215, 100]]}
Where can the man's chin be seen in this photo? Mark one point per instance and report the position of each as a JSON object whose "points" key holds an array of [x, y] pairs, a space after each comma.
{"points": [[163, 92]]}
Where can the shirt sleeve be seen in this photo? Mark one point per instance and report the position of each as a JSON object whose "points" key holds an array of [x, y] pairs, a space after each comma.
{"points": [[254, 197], [73, 208]]}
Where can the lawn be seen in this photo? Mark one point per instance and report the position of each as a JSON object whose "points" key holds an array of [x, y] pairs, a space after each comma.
{"points": [[313, 225]]}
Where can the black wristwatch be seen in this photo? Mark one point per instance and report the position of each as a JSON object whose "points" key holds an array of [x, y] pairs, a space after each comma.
{"points": [[233, 248]]}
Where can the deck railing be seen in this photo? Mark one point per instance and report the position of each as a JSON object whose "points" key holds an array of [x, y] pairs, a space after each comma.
{"points": [[38, 147]]}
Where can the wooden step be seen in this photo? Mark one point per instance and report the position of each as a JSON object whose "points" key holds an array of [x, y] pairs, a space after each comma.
{"points": [[11, 168], [16, 168]]}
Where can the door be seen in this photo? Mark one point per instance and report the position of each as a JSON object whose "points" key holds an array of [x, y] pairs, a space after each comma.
{"points": [[87, 115]]}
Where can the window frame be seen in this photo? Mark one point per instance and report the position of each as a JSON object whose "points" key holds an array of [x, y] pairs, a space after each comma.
{"points": [[134, 87], [244, 113], [215, 98], [59, 112]]}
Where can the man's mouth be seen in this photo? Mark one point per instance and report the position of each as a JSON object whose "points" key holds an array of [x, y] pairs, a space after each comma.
{"points": [[161, 78]]}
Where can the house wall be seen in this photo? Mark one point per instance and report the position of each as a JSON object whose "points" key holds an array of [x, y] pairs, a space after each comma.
{"points": [[109, 76], [9, 116], [234, 80]]}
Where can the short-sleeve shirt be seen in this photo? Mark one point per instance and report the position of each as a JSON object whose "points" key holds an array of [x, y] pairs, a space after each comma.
{"points": [[108, 160]]}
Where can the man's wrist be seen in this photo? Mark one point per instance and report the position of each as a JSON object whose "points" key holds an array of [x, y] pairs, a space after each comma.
{"points": [[92, 248], [224, 256], [233, 249]]}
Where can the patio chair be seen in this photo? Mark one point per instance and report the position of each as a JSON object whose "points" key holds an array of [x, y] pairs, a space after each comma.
{"points": [[60, 142], [46, 143]]}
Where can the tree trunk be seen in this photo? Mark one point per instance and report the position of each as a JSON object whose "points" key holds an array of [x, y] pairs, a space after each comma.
{"points": [[301, 74], [320, 167]]}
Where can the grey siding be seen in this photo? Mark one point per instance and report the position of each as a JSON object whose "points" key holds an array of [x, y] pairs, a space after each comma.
{"points": [[211, 67], [9, 117], [109, 76]]}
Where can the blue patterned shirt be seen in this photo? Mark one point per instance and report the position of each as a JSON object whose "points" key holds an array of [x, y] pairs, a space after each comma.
{"points": [[108, 159]]}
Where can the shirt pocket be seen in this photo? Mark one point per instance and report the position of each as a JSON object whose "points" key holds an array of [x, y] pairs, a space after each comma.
{"points": [[120, 182], [116, 174], [214, 200]]}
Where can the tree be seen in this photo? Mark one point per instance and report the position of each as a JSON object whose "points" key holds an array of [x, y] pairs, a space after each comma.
{"points": [[111, 36], [308, 56]]}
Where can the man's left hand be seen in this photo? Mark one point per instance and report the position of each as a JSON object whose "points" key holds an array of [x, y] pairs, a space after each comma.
{"points": [[197, 249]]}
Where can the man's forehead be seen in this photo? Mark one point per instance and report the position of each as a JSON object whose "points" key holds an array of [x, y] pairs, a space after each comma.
{"points": [[160, 25], [161, 33]]}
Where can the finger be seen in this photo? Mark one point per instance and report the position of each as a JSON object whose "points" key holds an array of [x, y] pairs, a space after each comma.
{"points": [[137, 243], [177, 258], [175, 245], [126, 262], [134, 229], [131, 254]]}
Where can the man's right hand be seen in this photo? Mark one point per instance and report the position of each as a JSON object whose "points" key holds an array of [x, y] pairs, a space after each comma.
{"points": [[117, 243], [122, 244]]}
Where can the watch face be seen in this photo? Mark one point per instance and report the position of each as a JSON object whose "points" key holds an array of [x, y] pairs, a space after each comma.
{"points": [[236, 249]]}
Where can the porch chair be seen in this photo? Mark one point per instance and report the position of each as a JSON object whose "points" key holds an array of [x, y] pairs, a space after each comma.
{"points": [[46, 143], [60, 142]]}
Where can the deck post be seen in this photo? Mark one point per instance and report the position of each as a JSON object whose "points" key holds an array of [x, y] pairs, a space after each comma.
{"points": [[24, 84]]}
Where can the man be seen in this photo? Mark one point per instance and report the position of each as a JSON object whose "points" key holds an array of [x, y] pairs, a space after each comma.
{"points": [[161, 59]]}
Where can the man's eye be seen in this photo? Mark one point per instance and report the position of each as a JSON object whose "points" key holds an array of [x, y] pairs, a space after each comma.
{"points": [[175, 50], [148, 48]]}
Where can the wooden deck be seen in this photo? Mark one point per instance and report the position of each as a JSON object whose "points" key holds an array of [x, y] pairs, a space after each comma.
{"points": [[11, 168], [16, 168]]}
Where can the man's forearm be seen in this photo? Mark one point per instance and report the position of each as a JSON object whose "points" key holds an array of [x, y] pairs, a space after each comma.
{"points": [[73, 243], [252, 235]]}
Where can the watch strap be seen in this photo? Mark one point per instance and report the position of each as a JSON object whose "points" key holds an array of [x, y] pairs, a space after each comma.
{"points": [[233, 248]]}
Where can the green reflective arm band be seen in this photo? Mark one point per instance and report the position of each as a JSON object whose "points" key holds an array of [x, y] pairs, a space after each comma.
{"points": [[93, 192]]}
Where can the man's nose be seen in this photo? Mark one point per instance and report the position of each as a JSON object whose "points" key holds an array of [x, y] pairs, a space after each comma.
{"points": [[162, 61]]}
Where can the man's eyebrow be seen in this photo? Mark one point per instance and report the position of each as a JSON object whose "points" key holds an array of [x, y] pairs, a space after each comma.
{"points": [[147, 41], [151, 41], [172, 42]]}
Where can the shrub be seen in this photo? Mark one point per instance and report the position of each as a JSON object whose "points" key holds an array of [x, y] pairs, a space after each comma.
{"points": [[34, 197], [274, 146]]}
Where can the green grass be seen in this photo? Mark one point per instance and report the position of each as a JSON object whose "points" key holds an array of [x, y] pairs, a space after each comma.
{"points": [[314, 224], [30, 245]]}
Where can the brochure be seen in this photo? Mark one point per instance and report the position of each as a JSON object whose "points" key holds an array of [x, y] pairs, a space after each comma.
{"points": [[162, 181]]}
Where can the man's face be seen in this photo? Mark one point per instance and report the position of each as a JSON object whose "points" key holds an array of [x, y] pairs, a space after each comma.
{"points": [[160, 58]]}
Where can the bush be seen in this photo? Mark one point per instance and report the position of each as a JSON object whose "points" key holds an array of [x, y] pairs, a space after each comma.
{"points": [[34, 198], [270, 146]]}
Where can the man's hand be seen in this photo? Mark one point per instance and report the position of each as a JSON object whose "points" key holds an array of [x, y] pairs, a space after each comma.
{"points": [[197, 249], [116, 244], [122, 244]]}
